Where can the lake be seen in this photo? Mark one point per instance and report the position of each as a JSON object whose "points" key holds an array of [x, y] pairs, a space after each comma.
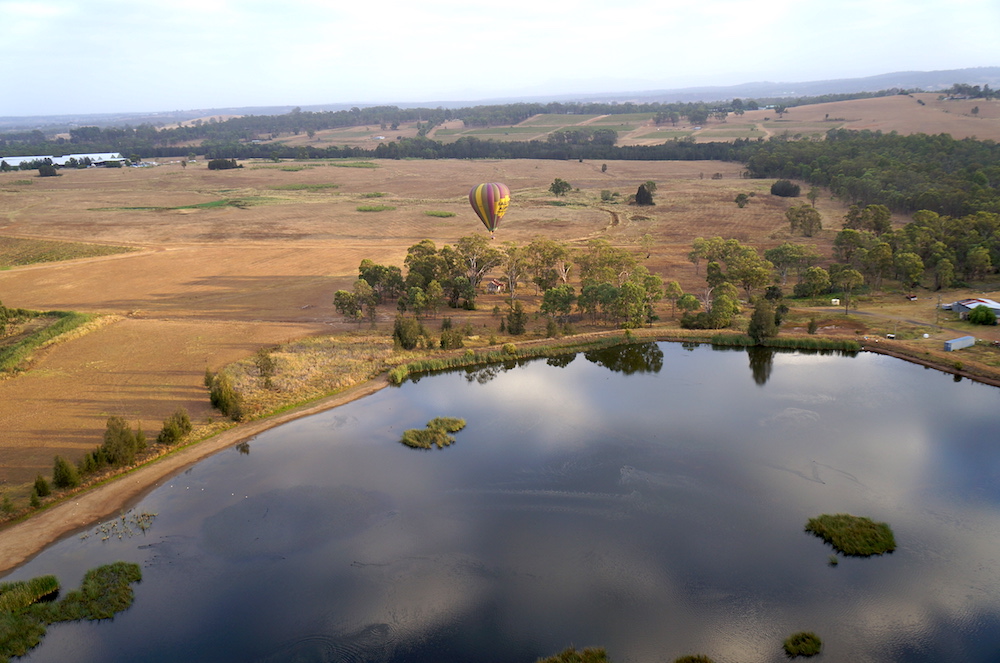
{"points": [[648, 499]]}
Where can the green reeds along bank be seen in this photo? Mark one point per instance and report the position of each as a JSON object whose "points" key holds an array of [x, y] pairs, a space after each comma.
{"points": [[436, 433], [106, 591], [853, 535], [15, 596], [803, 643], [790, 342], [12, 356]]}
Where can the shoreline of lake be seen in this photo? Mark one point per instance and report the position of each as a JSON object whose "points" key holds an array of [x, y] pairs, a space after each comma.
{"points": [[24, 540]]}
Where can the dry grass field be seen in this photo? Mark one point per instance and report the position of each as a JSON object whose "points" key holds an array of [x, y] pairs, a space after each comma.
{"points": [[225, 262], [205, 286]]}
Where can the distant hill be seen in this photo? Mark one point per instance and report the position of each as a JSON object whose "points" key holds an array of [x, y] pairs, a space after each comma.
{"points": [[925, 80]]}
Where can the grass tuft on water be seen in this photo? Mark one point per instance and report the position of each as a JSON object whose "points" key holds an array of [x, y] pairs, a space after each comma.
{"points": [[436, 433], [803, 643], [853, 535]]}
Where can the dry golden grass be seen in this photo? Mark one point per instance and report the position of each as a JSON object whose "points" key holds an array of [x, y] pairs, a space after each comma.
{"points": [[210, 286]]}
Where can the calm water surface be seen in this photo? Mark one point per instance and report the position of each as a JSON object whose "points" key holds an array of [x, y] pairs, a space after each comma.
{"points": [[651, 502]]}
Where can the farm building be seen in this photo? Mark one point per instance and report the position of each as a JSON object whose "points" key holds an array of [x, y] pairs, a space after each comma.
{"points": [[959, 343], [494, 287], [96, 159], [963, 306]]}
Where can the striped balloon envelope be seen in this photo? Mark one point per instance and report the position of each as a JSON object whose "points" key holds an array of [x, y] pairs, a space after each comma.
{"points": [[490, 200]]}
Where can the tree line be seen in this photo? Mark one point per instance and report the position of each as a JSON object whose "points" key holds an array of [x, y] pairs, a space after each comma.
{"points": [[614, 288], [904, 173]]}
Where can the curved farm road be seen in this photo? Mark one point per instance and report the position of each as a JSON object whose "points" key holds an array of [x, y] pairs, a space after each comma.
{"points": [[24, 540]]}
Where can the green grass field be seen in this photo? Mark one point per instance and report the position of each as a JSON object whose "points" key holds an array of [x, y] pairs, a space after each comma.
{"points": [[15, 251]]}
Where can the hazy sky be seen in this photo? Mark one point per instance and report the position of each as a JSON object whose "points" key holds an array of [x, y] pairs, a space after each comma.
{"points": [[83, 56]]}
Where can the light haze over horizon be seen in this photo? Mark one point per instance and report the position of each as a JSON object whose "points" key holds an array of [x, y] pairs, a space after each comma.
{"points": [[105, 56]]}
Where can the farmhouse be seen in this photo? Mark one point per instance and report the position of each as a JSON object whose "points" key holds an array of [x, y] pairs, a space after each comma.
{"points": [[964, 306], [96, 159], [494, 287]]}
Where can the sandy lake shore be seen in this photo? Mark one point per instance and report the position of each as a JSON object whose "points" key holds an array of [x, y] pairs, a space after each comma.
{"points": [[22, 541]]}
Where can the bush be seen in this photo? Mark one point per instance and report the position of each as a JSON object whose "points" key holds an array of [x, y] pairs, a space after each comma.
{"points": [[643, 196], [406, 332], [223, 164], [452, 339], [224, 397], [175, 428], [785, 189], [517, 319], [64, 475], [120, 443], [42, 486], [982, 315], [560, 187]]}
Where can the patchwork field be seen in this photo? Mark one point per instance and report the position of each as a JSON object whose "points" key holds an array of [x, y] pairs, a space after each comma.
{"points": [[905, 114], [221, 263]]}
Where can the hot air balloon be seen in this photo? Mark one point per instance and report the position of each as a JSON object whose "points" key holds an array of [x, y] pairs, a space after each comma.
{"points": [[490, 200]]}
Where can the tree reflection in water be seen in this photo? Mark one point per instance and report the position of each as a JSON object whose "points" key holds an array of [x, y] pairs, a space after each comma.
{"points": [[629, 359]]}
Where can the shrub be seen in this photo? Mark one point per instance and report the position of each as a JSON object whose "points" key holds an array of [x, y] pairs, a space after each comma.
{"points": [[509, 349], [785, 189], [803, 643], [223, 396], [644, 196], [982, 315], [406, 332], [517, 319], [42, 486], [64, 475], [223, 164], [452, 339], [120, 444], [560, 187], [175, 428], [697, 658]]}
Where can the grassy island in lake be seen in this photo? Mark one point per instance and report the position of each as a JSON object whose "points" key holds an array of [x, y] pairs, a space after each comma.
{"points": [[803, 643], [436, 433], [856, 536]]}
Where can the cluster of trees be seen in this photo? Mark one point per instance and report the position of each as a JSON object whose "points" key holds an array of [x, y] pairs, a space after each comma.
{"points": [[730, 267], [904, 173], [120, 448], [150, 141], [615, 288], [952, 249], [583, 136]]}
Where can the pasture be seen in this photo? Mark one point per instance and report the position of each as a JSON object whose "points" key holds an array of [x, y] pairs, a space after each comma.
{"points": [[905, 114], [203, 285]]}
